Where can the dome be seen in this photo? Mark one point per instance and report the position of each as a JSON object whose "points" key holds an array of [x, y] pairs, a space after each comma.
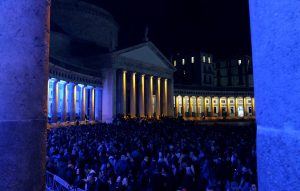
{"points": [[84, 22]]}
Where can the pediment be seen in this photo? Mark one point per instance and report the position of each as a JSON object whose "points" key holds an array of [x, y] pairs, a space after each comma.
{"points": [[147, 54]]}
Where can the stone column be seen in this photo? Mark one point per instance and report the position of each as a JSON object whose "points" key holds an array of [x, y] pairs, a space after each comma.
{"points": [[228, 106], [83, 103], [141, 90], [190, 106], [74, 101], [170, 97], [183, 106], [220, 107], [55, 101], [24, 53], [98, 104], [252, 105], [132, 95], [64, 114], [197, 107], [165, 97], [149, 93], [71, 108], [157, 108], [245, 106], [236, 107], [123, 93], [204, 105], [92, 100], [275, 35], [176, 106]]}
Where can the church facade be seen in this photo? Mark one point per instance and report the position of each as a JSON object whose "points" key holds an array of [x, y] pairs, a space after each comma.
{"points": [[91, 79]]}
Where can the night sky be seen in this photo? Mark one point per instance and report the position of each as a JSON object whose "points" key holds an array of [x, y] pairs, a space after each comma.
{"points": [[220, 27]]}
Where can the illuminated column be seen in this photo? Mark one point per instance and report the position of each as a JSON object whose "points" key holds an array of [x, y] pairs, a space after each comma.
{"points": [[244, 106], [65, 97], [176, 106], [83, 103], [141, 95], [132, 95], [183, 106], [205, 107], [197, 107], [70, 103], [170, 98], [228, 107], [253, 107], [149, 93], [220, 107], [92, 115], [123, 92], [236, 106], [157, 109], [55, 101], [211, 106], [165, 97], [98, 103], [190, 106], [24, 55], [74, 101]]}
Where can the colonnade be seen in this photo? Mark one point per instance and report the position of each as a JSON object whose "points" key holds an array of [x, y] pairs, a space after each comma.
{"points": [[143, 95], [214, 106], [68, 101]]}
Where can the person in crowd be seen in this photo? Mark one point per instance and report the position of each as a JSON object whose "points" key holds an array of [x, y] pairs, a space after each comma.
{"points": [[148, 155]]}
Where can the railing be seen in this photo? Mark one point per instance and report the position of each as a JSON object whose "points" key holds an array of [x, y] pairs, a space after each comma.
{"points": [[55, 183]]}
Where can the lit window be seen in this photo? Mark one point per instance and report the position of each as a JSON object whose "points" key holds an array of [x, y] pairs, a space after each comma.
{"points": [[239, 61], [203, 59], [183, 61], [174, 62], [209, 61], [192, 59]]}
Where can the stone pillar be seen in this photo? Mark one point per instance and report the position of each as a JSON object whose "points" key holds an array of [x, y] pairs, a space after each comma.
{"points": [[183, 106], [149, 93], [74, 101], [24, 53], [71, 108], [197, 107], [170, 97], [83, 103], [64, 113], [228, 106], [123, 92], [236, 107], [157, 108], [132, 95], [165, 97], [275, 36], [92, 115], [141, 90], [204, 105], [245, 106], [55, 101], [190, 106], [98, 104], [252, 105], [176, 106], [220, 107]]}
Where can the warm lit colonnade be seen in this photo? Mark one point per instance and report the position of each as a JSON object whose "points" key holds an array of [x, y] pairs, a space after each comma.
{"points": [[68, 101], [142, 95], [214, 106]]}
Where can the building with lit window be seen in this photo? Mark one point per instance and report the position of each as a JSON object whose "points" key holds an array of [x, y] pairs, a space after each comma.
{"points": [[208, 87]]}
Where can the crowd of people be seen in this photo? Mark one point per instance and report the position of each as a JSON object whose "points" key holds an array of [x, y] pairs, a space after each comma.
{"points": [[150, 155]]}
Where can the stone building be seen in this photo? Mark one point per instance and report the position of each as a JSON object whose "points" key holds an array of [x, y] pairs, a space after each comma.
{"points": [[208, 87], [91, 79]]}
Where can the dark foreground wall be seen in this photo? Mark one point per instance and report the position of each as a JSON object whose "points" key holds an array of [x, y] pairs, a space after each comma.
{"points": [[275, 31], [24, 37]]}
